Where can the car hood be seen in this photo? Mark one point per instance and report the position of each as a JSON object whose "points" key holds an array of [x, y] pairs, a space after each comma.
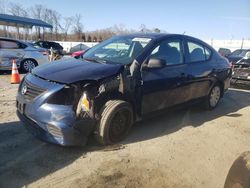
{"points": [[72, 70]]}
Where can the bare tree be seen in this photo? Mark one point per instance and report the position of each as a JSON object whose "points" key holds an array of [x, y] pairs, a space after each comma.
{"points": [[67, 23], [17, 10], [3, 10], [56, 22], [78, 26], [36, 12], [157, 30], [3, 6]]}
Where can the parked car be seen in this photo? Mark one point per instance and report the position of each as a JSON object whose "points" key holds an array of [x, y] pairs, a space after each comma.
{"points": [[118, 82], [79, 54], [78, 47], [237, 55], [241, 70], [224, 52], [50, 44], [27, 57], [44, 51]]}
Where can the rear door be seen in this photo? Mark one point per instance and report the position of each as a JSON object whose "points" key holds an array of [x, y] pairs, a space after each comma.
{"points": [[10, 50], [200, 68], [165, 87]]}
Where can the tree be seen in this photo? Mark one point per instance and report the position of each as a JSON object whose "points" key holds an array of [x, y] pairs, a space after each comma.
{"points": [[36, 12], [77, 26], [3, 9], [83, 37], [3, 6], [89, 39], [67, 23], [157, 30], [56, 22], [17, 10]]}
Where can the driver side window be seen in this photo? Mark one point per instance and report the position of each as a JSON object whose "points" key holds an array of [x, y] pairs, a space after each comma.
{"points": [[170, 51]]}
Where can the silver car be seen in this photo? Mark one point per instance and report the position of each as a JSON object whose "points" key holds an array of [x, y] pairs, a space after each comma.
{"points": [[26, 55]]}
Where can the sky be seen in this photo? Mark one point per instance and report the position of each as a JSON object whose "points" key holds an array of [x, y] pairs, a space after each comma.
{"points": [[209, 19]]}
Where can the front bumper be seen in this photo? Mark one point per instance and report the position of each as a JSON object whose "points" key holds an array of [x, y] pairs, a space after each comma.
{"points": [[241, 74], [51, 122]]}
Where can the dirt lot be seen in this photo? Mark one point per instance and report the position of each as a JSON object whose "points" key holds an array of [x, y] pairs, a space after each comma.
{"points": [[185, 148]]}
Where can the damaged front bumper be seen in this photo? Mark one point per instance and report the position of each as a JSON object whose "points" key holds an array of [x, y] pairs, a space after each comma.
{"points": [[53, 123]]}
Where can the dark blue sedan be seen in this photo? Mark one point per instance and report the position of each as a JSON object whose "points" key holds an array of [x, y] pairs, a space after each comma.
{"points": [[118, 82]]}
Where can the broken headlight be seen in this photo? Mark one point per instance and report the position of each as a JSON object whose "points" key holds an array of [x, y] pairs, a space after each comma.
{"points": [[64, 96]]}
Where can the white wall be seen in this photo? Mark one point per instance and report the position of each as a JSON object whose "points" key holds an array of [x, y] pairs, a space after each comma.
{"points": [[231, 44], [67, 45]]}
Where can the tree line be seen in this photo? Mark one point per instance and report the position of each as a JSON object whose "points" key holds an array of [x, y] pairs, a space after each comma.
{"points": [[69, 28]]}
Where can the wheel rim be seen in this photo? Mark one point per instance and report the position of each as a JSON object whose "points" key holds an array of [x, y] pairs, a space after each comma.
{"points": [[119, 125], [214, 96], [28, 65]]}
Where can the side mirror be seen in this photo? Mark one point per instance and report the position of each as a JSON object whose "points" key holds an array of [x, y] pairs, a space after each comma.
{"points": [[155, 63]]}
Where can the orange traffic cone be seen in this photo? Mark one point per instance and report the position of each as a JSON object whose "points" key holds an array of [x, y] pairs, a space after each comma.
{"points": [[15, 77]]}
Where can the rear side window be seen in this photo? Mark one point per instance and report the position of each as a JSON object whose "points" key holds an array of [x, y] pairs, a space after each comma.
{"points": [[5, 44], [43, 44], [198, 52]]}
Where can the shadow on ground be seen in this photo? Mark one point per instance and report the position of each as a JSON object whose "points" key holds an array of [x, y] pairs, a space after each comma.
{"points": [[24, 159], [194, 116]]}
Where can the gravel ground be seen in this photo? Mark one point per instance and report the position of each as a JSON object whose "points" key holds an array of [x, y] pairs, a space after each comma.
{"points": [[184, 148]]}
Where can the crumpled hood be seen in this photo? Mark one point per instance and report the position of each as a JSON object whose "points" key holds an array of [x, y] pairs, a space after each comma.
{"points": [[71, 70]]}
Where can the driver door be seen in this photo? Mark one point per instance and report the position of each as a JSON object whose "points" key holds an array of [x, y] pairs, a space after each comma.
{"points": [[165, 87]]}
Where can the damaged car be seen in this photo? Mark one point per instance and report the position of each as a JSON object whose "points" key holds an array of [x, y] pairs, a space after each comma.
{"points": [[241, 70], [119, 82]]}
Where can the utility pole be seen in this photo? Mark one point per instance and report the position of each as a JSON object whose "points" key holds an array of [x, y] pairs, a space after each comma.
{"points": [[242, 43]]}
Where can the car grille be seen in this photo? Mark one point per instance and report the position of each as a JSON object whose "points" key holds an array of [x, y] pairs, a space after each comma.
{"points": [[32, 90]]}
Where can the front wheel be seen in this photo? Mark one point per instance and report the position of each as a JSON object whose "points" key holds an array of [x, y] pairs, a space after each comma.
{"points": [[213, 97], [116, 121], [27, 65]]}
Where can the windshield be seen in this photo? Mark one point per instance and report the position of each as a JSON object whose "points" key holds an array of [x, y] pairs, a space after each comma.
{"points": [[119, 50]]}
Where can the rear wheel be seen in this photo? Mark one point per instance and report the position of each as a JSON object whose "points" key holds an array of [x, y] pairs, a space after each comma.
{"points": [[116, 121], [28, 64], [213, 97]]}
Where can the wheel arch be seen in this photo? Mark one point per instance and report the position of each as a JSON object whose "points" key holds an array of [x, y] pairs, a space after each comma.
{"points": [[215, 81], [101, 100], [35, 61]]}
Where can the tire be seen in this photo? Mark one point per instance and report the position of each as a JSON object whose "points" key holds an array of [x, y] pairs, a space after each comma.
{"points": [[27, 65], [213, 97], [116, 121]]}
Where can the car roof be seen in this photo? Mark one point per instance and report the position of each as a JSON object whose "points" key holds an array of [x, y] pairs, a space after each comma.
{"points": [[47, 41], [150, 35], [15, 40], [163, 35], [10, 39]]}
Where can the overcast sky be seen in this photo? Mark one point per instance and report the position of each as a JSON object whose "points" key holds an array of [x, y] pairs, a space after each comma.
{"points": [[217, 19]]}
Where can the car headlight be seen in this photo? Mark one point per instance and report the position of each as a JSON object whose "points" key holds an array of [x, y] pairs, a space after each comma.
{"points": [[85, 104], [64, 96]]}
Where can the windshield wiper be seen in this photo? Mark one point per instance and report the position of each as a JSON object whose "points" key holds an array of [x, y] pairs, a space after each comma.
{"points": [[96, 60]]}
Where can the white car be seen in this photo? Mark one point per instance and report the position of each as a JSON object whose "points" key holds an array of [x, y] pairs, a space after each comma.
{"points": [[26, 55]]}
